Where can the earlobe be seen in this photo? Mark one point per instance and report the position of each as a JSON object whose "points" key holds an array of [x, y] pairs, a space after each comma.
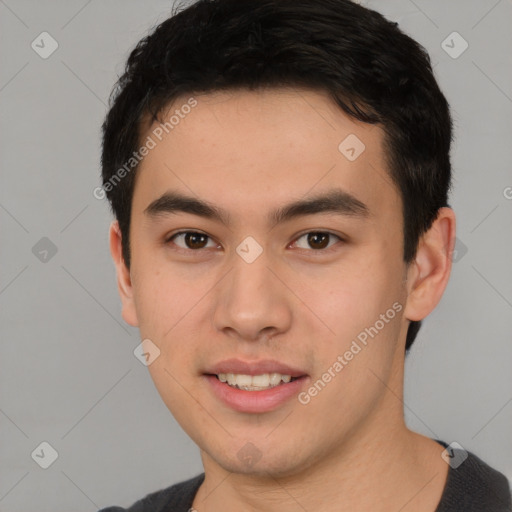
{"points": [[428, 275], [124, 282]]}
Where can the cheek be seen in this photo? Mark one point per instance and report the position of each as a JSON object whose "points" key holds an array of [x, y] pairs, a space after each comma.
{"points": [[169, 305], [366, 320], [361, 303], [350, 297], [166, 305], [162, 299]]}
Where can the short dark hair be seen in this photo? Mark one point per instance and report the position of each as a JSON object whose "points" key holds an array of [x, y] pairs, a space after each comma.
{"points": [[372, 70]]}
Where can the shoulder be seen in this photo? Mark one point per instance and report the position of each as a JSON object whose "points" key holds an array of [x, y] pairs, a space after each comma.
{"points": [[178, 496], [473, 486]]}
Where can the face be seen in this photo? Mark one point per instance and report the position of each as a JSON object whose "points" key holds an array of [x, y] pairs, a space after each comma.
{"points": [[245, 284]]}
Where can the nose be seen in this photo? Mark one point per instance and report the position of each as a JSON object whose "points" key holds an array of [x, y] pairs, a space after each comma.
{"points": [[252, 302]]}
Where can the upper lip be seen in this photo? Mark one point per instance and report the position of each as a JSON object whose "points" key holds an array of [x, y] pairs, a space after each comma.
{"points": [[253, 368]]}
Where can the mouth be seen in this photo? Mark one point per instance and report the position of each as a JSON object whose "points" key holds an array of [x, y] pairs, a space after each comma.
{"points": [[254, 382], [254, 386]]}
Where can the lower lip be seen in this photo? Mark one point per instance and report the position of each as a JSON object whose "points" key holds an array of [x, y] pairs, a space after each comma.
{"points": [[255, 401]]}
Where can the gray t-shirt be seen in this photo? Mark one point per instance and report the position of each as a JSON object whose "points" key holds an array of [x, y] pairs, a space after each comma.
{"points": [[472, 487]]}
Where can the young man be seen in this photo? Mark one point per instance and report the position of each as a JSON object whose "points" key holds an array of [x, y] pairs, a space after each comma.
{"points": [[279, 171]]}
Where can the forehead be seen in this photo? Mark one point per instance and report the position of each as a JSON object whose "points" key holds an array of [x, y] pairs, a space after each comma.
{"points": [[248, 149]]}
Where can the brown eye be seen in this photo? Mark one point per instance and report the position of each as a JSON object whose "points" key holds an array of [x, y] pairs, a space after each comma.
{"points": [[195, 240], [317, 240], [192, 240]]}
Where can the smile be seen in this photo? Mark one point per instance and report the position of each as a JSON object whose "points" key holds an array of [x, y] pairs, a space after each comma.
{"points": [[254, 382]]}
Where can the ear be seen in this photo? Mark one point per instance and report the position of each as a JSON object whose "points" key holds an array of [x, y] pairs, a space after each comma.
{"points": [[124, 283], [428, 275]]}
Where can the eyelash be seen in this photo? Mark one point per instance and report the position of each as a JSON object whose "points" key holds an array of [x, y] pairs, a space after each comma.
{"points": [[188, 251]]}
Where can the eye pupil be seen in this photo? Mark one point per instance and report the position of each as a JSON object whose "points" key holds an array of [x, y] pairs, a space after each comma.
{"points": [[195, 240], [318, 240]]}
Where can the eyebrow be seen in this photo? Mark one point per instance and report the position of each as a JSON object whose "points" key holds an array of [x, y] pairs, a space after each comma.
{"points": [[335, 201]]}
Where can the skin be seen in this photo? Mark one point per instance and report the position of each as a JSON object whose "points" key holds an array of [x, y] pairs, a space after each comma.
{"points": [[250, 152]]}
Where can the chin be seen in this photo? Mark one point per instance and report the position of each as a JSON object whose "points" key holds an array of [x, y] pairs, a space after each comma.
{"points": [[262, 462]]}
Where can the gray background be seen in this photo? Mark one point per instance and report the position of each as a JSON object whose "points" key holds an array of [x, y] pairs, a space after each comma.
{"points": [[68, 373]]}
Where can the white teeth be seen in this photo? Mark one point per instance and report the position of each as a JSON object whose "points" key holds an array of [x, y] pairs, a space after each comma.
{"points": [[275, 378], [261, 381], [254, 382], [243, 380]]}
